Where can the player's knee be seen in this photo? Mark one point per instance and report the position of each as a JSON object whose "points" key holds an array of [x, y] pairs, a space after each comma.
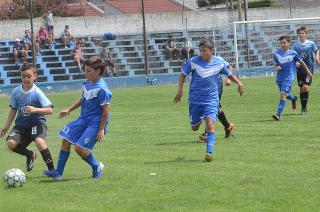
{"points": [[195, 128], [12, 144]]}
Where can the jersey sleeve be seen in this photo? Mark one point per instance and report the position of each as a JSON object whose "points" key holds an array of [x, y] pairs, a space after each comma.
{"points": [[13, 100], [104, 97], [225, 70], [314, 47], [186, 68], [275, 60], [43, 100]]}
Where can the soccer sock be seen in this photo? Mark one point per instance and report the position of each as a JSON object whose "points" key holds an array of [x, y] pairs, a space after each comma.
{"points": [[210, 142], [222, 118], [22, 150], [46, 155], [63, 157], [281, 106], [304, 99], [290, 97], [92, 161]]}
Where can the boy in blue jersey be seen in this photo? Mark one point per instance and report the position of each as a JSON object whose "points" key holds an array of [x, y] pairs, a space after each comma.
{"points": [[284, 62], [204, 90], [91, 126], [308, 51], [30, 125]]}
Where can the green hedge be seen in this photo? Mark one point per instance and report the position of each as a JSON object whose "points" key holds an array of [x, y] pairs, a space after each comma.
{"points": [[259, 3]]}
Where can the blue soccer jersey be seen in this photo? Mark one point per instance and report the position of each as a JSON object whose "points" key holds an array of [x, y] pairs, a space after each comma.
{"points": [[205, 80], [94, 96], [306, 51], [287, 62], [34, 97]]}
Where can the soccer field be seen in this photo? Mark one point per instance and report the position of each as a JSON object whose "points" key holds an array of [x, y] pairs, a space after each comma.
{"points": [[266, 166]]}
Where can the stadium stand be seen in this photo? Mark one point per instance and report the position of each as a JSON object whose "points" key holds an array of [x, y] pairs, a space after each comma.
{"points": [[128, 52]]}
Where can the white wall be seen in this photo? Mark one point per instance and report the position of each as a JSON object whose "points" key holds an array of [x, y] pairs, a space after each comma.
{"points": [[122, 24]]}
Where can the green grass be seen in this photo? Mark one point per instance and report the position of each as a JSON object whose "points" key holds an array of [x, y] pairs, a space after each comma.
{"points": [[268, 166]]}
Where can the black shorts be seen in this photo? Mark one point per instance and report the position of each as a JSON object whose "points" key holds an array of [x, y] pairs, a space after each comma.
{"points": [[303, 79], [50, 29], [25, 135]]}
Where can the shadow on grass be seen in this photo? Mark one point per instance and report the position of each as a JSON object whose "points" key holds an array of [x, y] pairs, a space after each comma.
{"points": [[49, 180], [177, 160], [176, 143]]}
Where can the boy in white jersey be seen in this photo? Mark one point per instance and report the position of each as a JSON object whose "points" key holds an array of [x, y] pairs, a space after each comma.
{"points": [[308, 52], [30, 125], [284, 61], [92, 124], [204, 90]]}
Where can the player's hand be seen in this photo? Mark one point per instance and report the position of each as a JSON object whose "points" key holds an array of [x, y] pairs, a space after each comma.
{"points": [[309, 73], [3, 131], [31, 109], [178, 96], [64, 113], [100, 135], [298, 64], [240, 89], [228, 82], [278, 68]]}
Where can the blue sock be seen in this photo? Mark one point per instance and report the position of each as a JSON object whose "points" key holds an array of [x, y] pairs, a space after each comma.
{"points": [[63, 157], [210, 142], [281, 106], [290, 97], [91, 161]]}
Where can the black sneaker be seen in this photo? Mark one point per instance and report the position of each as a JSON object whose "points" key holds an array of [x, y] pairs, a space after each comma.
{"points": [[276, 117], [30, 161]]}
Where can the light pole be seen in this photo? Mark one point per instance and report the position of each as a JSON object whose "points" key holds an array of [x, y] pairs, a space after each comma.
{"points": [[144, 40], [32, 36]]}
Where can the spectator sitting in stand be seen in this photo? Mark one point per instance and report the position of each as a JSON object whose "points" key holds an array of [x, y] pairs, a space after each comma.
{"points": [[27, 43], [19, 51], [78, 53], [43, 36], [106, 55], [187, 51], [172, 52], [66, 35]]}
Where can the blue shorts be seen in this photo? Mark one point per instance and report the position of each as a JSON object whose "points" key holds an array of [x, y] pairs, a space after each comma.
{"points": [[82, 133], [285, 86], [199, 112]]}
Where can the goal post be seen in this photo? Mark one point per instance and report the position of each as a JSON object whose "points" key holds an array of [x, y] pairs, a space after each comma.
{"points": [[256, 41]]}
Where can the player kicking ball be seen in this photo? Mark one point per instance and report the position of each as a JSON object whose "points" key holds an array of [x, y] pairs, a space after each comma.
{"points": [[204, 90], [285, 61], [91, 126]]}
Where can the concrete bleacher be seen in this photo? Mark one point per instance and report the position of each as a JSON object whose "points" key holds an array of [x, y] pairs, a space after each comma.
{"points": [[57, 65]]}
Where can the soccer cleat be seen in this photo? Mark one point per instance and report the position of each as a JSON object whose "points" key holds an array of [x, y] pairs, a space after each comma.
{"points": [[97, 174], [30, 161], [53, 174], [208, 157], [294, 103], [303, 111], [228, 130], [203, 138], [276, 117]]}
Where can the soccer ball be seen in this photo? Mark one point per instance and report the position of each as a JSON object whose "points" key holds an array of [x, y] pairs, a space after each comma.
{"points": [[14, 178]]}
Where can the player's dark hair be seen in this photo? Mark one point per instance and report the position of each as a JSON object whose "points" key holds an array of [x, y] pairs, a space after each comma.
{"points": [[285, 37], [27, 66], [302, 28], [25, 31], [96, 63], [206, 43]]}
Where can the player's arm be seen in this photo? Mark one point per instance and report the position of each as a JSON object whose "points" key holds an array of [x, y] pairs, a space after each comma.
{"points": [[42, 111], [179, 94], [6, 126], [104, 118], [305, 67], [238, 82], [72, 107], [317, 58], [228, 81], [277, 67]]}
